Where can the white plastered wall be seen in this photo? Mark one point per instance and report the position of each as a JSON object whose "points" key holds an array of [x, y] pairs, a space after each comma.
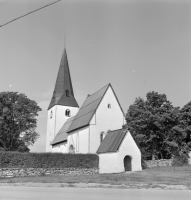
{"points": [[105, 119], [60, 148], [80, 140], [50, 129], [114, 162], [55, 123]]}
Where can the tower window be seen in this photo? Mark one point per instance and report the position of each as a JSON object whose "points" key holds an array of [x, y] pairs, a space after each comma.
{"points": [[67, 93], [101, 137], [51, 114], [109, 105], [67, 113]]}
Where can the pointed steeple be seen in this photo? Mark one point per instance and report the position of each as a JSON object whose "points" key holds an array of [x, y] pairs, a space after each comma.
{"points": [[63, 91]]}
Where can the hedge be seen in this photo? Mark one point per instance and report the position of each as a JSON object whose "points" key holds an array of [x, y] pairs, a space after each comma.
{"points": [[47, 160]]}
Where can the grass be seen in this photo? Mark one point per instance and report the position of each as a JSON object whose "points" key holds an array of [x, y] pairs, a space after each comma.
{"points": [[150, 177]]}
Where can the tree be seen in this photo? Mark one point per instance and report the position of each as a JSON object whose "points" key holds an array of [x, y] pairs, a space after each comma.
{"points": [[185, 122], [150, 121], [179, 139], [17, 122]]}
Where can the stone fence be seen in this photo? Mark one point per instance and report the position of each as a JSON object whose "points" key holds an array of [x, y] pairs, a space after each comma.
{"points": [[159, 163], [21, 172], [163, 162]]}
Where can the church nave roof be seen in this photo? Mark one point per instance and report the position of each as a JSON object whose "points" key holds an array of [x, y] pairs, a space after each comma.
{"points": [[88, 109], [62, 134]]}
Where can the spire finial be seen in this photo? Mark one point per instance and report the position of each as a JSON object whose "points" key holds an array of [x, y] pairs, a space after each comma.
{"points": [[65, 40]]}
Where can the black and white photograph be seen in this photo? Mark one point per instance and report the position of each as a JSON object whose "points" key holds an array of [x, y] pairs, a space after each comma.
{"points": [[95, 99]]}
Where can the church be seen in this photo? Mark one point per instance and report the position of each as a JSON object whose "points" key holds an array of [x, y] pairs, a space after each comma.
{"points": [[95, 127]]}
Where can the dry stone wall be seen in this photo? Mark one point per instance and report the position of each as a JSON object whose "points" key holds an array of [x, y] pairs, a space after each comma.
{"points": [[21, 172], [159, 163]]}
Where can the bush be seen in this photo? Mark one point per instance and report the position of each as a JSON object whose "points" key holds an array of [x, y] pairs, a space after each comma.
{"points": [[143, 164], [47, 160], [180, 160]]}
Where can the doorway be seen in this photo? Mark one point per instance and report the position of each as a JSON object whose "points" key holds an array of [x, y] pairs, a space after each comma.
{"points": [[127, 163], [71, 149]]}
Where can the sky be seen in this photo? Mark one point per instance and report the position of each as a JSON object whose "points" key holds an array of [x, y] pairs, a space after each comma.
{"points": [[136, 45]]}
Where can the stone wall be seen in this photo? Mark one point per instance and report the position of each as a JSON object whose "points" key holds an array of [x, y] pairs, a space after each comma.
{"points": [[21, 172], [159, 163]]}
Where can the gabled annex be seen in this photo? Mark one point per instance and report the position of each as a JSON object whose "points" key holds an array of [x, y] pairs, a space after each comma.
{"points": [[118, 153]]}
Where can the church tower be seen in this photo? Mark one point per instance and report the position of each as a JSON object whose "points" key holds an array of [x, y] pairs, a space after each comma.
{"points": [[63, 104]]}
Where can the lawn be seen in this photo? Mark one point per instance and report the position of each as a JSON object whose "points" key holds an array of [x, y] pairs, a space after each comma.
{"points": [[149, 177]]}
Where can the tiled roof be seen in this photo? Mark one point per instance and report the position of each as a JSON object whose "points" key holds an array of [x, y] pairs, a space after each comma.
{"points": [[62, 135], [63, 83], [88, 109], [112, 141]]}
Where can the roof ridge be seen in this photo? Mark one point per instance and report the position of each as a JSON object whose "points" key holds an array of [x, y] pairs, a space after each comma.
{"points": [[91, 102], [85, 114], [99, 89], [116, 130]]}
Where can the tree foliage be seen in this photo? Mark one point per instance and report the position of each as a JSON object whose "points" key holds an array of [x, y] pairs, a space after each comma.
{"points": [[179, 138], [17, 122], [160, 129]]}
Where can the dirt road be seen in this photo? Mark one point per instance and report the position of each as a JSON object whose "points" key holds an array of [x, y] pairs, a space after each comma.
{"points": [[52, 193]]}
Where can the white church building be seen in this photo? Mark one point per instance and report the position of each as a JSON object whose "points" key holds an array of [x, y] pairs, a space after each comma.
{"points": [[95, 127]]}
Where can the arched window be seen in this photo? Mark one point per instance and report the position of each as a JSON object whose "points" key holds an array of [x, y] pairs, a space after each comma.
{"points": [[51, 114], [67, 113], [71, 149], [102, 136], [109, 105], [67, 93]]}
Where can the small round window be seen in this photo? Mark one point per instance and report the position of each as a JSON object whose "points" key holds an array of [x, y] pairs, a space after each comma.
{"points": [[109, 105]]}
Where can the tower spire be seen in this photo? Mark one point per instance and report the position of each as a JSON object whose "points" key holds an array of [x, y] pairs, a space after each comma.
{"points": [[63, 91]]}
